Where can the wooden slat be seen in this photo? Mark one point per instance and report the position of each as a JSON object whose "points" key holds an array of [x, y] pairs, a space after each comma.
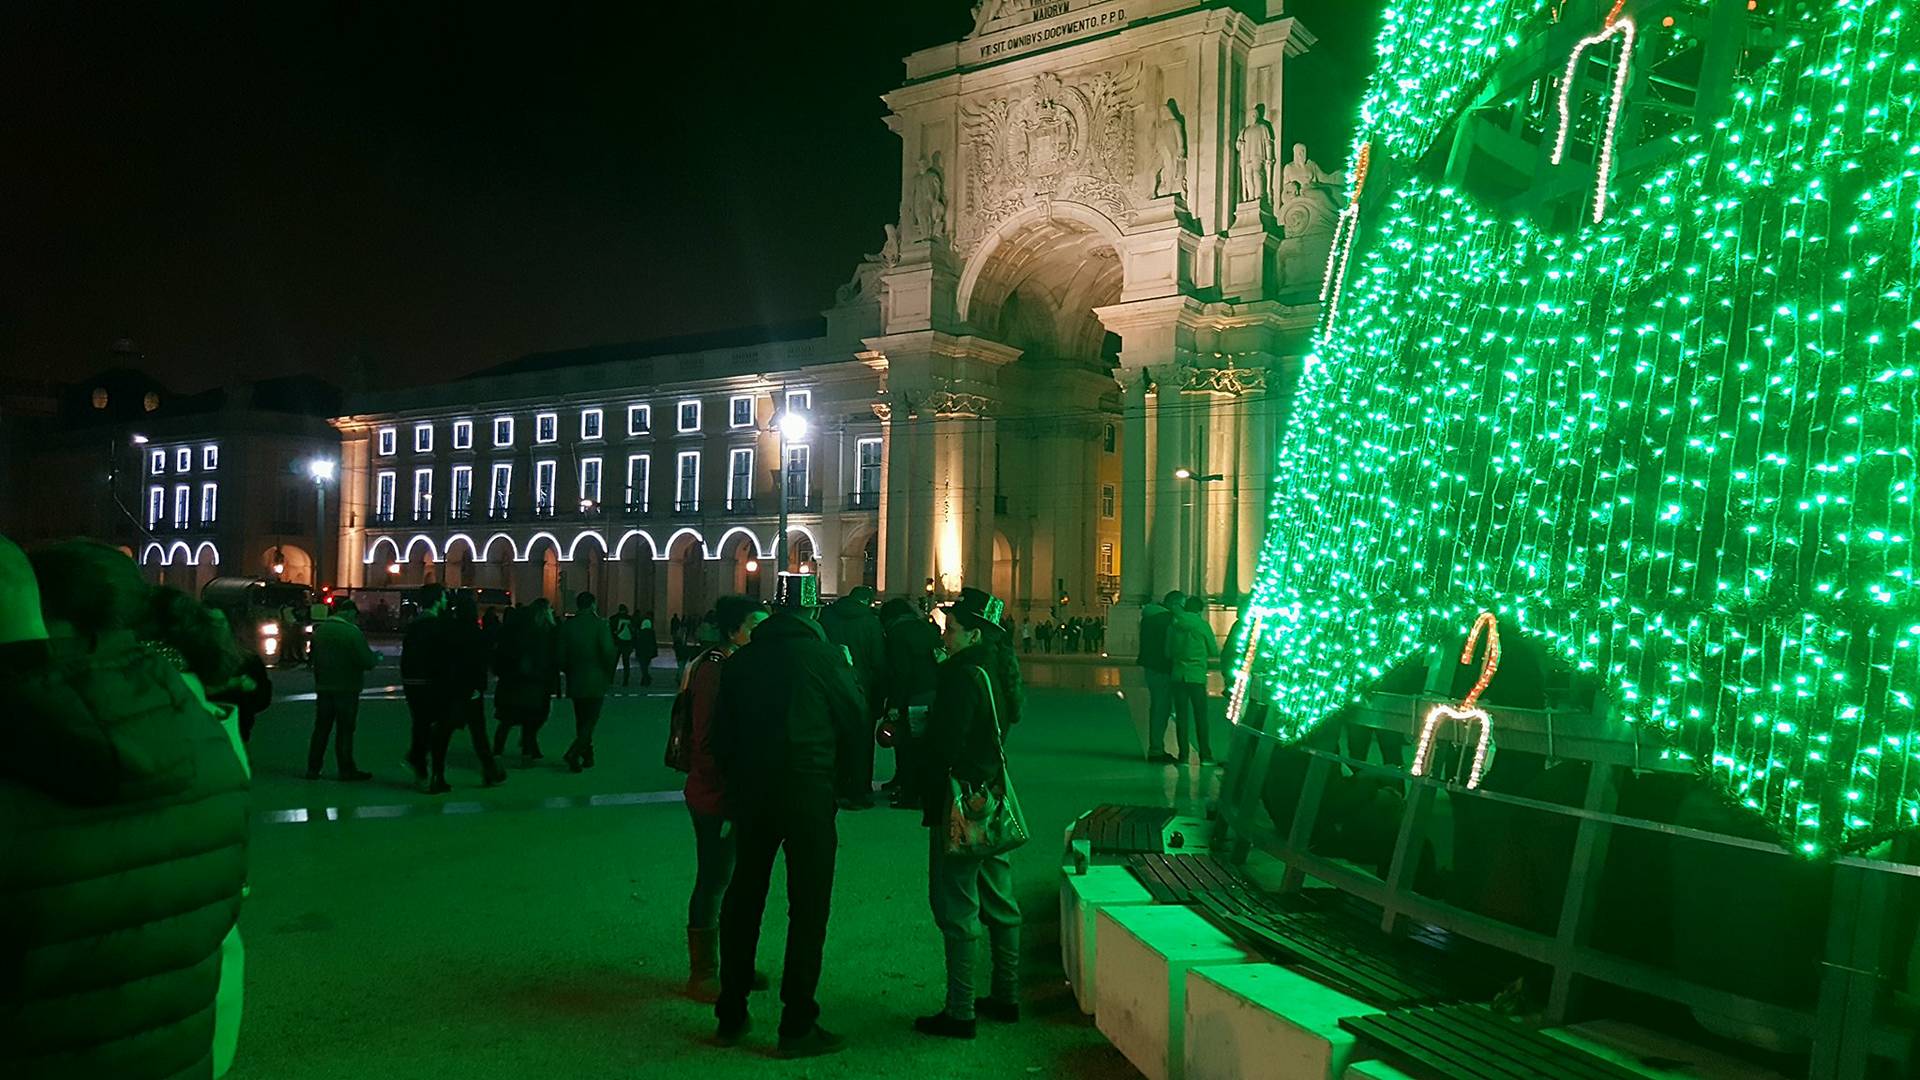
{"points": [[1470, 1042], [1399, 1034]]}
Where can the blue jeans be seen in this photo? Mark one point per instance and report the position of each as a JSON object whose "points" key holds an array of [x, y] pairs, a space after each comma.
{"points": [[714, 868]]}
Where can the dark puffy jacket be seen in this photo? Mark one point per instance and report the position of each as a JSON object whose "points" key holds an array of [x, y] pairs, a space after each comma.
{"points": [[788, 709], [856, 627], [1154, 623], [961, 740], [912, 641], [123, 869], [524, 659]]}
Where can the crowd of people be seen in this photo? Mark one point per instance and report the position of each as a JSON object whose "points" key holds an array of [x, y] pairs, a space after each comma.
{"points": [[1054, 635]]}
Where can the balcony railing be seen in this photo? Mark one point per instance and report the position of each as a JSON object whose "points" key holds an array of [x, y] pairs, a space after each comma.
{"points": [[740, 507], [543, 513], [686, 507], [383, 517], [798, 503], [864, 500], [638, 508], [460, 514], [423, 515]]}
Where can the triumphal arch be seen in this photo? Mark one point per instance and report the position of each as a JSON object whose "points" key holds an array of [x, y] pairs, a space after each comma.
{"points": [[1107, 265]]}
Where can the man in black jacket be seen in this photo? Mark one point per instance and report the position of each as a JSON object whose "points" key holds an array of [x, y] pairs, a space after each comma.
{"points": [[852, 624], [423, 664], [913, 645], [1154, 623], [789, 712]]}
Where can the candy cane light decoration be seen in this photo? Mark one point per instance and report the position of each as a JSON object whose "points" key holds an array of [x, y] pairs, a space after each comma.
{"points": [[1468, 712], [1344, 231], [1603, 168]]}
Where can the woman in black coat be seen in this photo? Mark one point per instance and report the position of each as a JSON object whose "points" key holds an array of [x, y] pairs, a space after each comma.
{"points": [[976, 699]]}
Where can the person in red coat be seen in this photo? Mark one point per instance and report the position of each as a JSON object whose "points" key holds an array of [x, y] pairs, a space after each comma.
{"points": [[735, 616]]}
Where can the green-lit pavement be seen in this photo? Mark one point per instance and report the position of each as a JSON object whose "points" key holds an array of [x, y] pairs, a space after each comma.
{"points": [[537, 929]]}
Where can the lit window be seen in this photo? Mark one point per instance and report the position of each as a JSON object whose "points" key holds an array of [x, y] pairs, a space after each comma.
{"points": [[590, 423], [157, 462], [638, 467], [590, 480], [462, 504], [499, 497], [689, 416], [1106, 559], [639, 419], [383, 497], [1110, 438], [463, 434], [183, 459], [156, 505], [686, 493], [799, 465], [182, 506], [422, 494], [209, 457], [1106, 500], [867, 480], [546, 427], [389, 442], [503, 431], [544, 473], [423, 438], [209, 503], [740, 412], [799, 401], [740, 478]]}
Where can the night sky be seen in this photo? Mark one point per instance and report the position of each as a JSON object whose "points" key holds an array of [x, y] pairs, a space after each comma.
{"points": [[262, 189]]}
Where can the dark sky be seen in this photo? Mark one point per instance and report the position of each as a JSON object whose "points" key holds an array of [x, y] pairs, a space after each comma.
{"points": [[265, 188]]}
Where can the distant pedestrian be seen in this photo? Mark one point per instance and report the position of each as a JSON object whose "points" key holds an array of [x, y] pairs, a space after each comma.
{"points": [[851, 623], [789, 709], [1155, 619], [529, 676], [977, 700], [341, 660], [586, 659], [249, 690], [423, 661], [1191, 649], [736, 618], [620, 625], [646, 646]]}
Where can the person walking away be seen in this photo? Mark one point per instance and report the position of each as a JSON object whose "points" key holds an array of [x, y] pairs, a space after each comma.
{"points": [[913, 644], [462, 686], [789, 711], [736, 617], [422, 663], [976, 700], [249, 690], [341, 660], [1191, 649], [586, 658], [523, 694], [646, 647], [850, 623], [620, 625], [125, 807], [1155, 619]]}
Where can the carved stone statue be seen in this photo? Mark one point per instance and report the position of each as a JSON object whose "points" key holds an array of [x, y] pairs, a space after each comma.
{"points": [[1307, 174], [1170, 147], [927, 209], [1255, 147], [865, 283]]}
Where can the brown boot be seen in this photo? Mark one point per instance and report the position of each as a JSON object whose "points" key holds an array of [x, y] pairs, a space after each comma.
{"points": [[703, 965]]}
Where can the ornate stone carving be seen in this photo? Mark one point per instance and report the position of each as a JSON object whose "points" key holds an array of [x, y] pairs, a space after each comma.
{"points": [[883, 411], [928, 206], [1308, 218], [1231, 381], [951, 404], [1255, 151], [1058, 141], [1170, 150], [865, 283]]}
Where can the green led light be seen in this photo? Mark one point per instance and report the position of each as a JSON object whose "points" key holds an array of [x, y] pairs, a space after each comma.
{"points": [[1677, 447]]}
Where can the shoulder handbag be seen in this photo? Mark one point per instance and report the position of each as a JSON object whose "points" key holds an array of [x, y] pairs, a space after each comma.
{"points": [[984, 818]]}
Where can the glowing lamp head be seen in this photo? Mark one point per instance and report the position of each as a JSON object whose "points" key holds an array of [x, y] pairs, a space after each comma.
{"points": [[1183, 474], [139, 440], [320, 469], [793, 426], [279, 568], [393, 568], [753, 566]]}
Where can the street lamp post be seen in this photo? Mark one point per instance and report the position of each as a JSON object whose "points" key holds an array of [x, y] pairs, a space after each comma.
{"points": [[792, 427], [321, 470], [1196, 530]]}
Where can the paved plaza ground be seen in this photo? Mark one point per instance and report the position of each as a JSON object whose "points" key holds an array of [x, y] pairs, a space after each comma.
{"points": [[537, 929]]}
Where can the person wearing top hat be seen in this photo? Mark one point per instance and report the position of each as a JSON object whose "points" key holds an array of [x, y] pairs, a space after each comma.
{"points": [[976, 699], [786, 718]]}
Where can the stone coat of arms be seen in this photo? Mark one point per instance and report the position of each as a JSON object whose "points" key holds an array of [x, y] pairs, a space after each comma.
{"points": [[1059, 140]]}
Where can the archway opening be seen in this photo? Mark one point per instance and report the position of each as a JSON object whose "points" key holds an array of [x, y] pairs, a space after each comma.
{"points": [[287, 562]]}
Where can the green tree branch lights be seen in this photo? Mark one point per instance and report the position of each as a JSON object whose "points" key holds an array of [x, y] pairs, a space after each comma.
{"points": [[1676, 447]]}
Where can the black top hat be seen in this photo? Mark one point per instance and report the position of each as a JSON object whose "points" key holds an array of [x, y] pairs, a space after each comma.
{"points": [[979, 609], [796, 591]]}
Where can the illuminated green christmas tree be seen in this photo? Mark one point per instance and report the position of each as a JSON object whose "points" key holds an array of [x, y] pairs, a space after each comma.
{"points": [[1674, 444]]}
